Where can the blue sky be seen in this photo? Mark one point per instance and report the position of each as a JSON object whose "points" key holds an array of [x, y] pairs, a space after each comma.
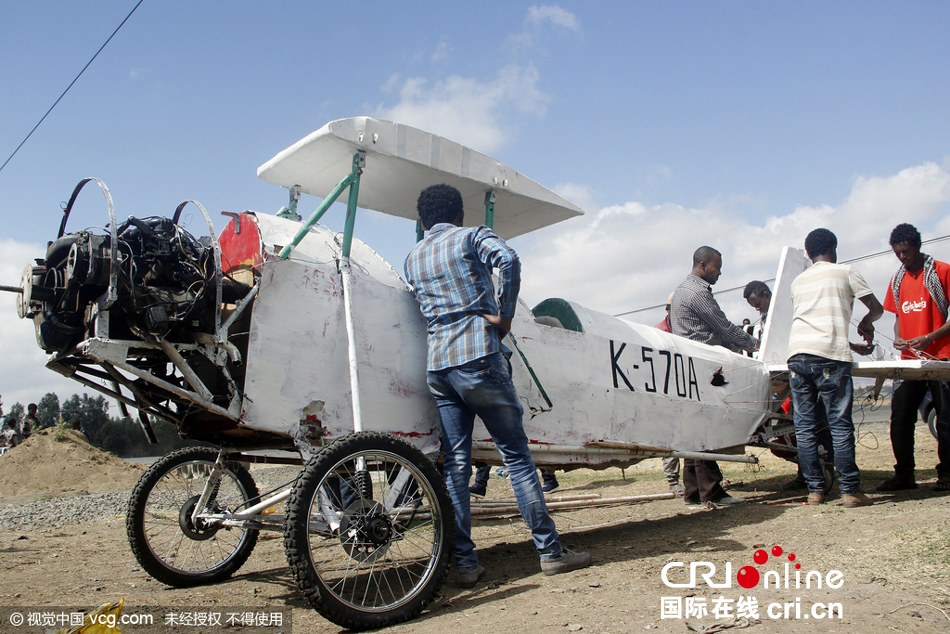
{"points": [[741, 125]]}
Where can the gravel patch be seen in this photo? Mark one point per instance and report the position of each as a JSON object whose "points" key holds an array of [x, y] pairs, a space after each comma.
{"points": [[58, 511], [82, 506]]}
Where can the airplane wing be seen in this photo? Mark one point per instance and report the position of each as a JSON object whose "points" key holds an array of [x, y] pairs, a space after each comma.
{"points": [[401, 161]]}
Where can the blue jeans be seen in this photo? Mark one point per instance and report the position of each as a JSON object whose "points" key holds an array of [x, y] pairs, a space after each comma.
{"points": [[815, 379], [483, 388]]}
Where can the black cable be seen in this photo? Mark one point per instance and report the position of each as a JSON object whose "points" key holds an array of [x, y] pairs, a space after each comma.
{"points": [[772, 279], [70, 85]]}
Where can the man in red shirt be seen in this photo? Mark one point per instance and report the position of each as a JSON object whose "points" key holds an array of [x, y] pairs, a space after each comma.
{"points": [[918, 295], [665, 325]]}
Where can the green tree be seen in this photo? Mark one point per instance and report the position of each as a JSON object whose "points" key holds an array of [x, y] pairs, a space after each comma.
{"points": [[115, 435], [17, 411], [47, 410], [122, 436], [91, 412]]}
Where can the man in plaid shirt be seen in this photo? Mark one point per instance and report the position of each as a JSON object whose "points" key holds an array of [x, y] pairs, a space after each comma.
{"points": [[468, 369], [695, 314]]}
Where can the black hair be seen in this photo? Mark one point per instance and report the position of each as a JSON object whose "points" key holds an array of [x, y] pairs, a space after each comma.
{"points": [[820, 242], [905, 233], [704, 254], [755, 287], [439, 203]]}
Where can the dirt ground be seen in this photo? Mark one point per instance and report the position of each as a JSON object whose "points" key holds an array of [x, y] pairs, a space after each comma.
{"points": [[894, 560]]}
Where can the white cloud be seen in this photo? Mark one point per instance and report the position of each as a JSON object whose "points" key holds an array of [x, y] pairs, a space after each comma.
{"points": [[629, 256], [553, 14], [519, 41], [580, 195], [466, 110], [391, 84], [537, 18], [659, 175], [441, 52]]}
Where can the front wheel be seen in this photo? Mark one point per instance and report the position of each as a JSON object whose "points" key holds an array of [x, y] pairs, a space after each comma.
{"points": [[369, 531], [166, 542]]}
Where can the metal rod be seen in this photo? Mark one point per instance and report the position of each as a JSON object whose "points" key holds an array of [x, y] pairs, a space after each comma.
{"points": [[218, 275], [257, 508], [359, 160], [490, 209], [534, 377], [618, 450], [555, 506], [240, 306], [112, 294], [174, 389], [577, 504], [211, 486], [658, 452], [142, 404], [549, 498], [351, 344], [252, 524], [315, 217], [104, 390], [193, 380]]}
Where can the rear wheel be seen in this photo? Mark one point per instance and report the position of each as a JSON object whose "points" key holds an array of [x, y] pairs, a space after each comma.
{"points": [[369, 531], [932, 421], [166, 542], [828, 470]]}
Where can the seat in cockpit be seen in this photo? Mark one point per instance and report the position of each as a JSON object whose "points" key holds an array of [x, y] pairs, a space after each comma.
{"points": [[558, 313]]}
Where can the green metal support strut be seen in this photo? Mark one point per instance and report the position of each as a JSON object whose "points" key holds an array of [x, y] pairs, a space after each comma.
{"points": [[353, 178], [359, 162], [490, 209]]}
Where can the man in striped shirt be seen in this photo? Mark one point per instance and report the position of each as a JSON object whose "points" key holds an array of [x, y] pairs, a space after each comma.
{"points": [[468, 369], [819, 363]]}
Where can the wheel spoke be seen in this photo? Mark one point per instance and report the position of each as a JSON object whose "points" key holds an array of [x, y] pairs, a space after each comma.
{"points": [[172, 547], [368, 531], [360, 568]]}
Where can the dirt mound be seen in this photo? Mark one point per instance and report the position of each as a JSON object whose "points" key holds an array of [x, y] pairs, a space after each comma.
{"points": [[44, 465]]}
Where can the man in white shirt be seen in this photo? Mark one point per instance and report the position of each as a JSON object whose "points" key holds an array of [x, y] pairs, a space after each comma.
{"points": [[819, 362]]}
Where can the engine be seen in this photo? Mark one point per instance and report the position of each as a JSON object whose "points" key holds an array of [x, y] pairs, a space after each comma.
{"points": [[164, 281]]}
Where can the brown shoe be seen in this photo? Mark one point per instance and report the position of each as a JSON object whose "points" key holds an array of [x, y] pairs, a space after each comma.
{"points": [[816, 498], [851, 500]]}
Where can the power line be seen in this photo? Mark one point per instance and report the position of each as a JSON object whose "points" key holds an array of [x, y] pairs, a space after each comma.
{"points": [[70, 85], [870, 256]]}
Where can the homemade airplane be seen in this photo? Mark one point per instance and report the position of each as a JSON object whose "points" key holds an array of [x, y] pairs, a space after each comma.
{"points": [[282, 335]]}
